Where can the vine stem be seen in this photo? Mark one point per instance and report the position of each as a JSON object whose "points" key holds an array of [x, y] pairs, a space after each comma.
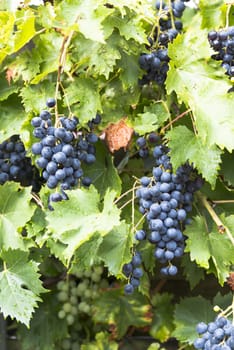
{"points": [[221, 227], [62, 60], [175, 120], [223, 201], [127, 192]]}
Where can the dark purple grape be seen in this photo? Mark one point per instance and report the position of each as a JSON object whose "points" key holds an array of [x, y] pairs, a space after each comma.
{"points": [[50, 102]]}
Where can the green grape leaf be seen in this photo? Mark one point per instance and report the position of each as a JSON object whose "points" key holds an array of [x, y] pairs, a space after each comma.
{"points": [[201, 87], [83, 93], [212, 13], [83, 218], [130, 69], [207, 248], [154, 116], [102, 342], [193, 273], [11, 117], [123, 311], [130, 27], [188, 313], [195, 151], [223, 301], [87, 254], [7, 89], [162, 323], [115, 248], [101, 58], [47, 54], [226, 170], [25, 28], [46, 323], [34, 96], [88, 17], [103, 173], [15, 211], [7, 21], [19, 286]]}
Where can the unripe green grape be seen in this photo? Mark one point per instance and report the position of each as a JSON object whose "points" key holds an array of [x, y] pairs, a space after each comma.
{"points": [[72, 284], [67, 307], [95, 277], [98, 270], [74, 310], [88, 293], [73, 290], [87, 273], [73, 300], [62, 296], [62, 286], [79, 274], [95, 294], [70, 319], [66, 344], [82, 306], [61, 314], [81, 288], [87, 309]]}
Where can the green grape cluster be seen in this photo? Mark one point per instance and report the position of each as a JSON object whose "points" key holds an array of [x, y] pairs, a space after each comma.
{"points": [[76, 294]]}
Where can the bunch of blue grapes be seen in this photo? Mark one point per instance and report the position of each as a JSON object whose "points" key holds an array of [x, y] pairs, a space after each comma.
{"points": [[144, 144], [15, 165], [223, 43], [166, 199], [217, 335], [133, 272], [155, 63], [61, 151]]}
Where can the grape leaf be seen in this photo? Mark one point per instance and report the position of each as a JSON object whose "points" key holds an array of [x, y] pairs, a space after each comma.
{"points": [[103, 174], [130, 69], [46, 53], [7, 21], [6, 88], [188, 313], [154, 116], [162, 323], [201, 87], [114, 308], [19, 286], [195, 151], [212, 13], [88, 15], [83, 92], [115, 248], [102, 342], [193, 273], [101, 58], [130, 27], [204, 246], [87, 254], [45, 323], [15, 211], [11, 116], [227, 171], [83, 218], [25, 28], [34, 96]]}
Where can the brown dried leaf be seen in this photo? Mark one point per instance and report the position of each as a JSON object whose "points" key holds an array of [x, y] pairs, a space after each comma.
{"points": [[118, 135]]}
